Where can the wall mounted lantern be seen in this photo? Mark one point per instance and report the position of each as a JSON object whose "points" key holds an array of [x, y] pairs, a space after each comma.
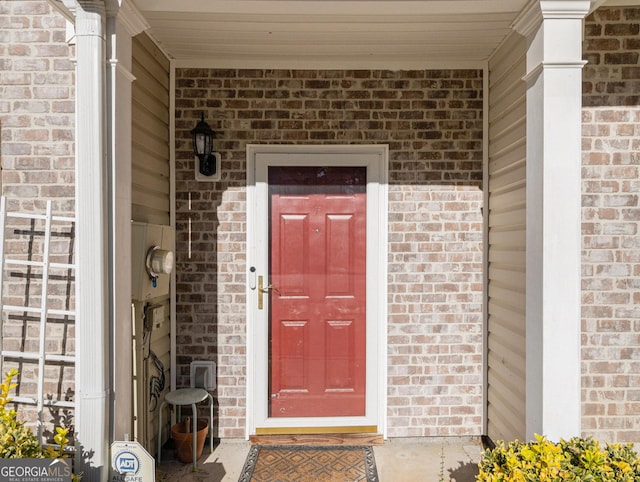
{"points": [[208, 162]]}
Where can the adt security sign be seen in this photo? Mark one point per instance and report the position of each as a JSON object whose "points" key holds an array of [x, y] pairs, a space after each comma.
{"points": [[130, 462]]}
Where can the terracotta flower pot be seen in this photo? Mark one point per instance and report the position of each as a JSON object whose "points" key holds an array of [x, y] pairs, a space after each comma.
{"points": [[183, 440]]}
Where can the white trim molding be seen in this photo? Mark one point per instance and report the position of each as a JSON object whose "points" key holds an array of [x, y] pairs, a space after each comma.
{"points": [[529, 19], [331, 64], [119, 113], [132, 19], [375, 158]]}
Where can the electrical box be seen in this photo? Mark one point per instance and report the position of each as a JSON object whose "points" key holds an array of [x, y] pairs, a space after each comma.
{"points": [[152, 259], [203, 374]]}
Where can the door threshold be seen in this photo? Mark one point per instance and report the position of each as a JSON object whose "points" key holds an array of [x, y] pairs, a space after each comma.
{"points": [[318, 439], [316, 430]]}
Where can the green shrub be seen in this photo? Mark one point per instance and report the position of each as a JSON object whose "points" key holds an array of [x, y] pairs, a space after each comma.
{"points": [[577, 459], [16, 440]]}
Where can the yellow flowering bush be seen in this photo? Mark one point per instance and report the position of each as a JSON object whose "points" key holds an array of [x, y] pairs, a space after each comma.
{"points": [[16, 440], [577, 459]]}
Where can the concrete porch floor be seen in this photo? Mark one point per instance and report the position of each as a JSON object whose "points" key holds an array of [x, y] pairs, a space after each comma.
{"points": [[432, 459]]}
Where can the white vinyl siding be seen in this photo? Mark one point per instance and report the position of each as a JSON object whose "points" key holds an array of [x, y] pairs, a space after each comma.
{"points": [[150, 133], [507, 210], [150, 204]]}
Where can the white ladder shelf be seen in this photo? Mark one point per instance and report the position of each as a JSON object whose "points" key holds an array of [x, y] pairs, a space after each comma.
{"points": [[42, 312]]}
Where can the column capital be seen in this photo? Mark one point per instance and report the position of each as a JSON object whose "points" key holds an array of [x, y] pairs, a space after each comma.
{"points": [[565, 8], [97, 6], [533, 14], [90, 19]]}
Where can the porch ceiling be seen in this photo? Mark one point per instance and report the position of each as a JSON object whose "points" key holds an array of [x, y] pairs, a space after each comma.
{"points": [[341, 33]]}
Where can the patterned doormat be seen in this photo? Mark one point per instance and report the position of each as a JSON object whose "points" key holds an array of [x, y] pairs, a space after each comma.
{"points": [[308, 463]]}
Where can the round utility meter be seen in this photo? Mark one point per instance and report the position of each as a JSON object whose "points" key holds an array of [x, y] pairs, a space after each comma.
{"points": [[159, 261]]}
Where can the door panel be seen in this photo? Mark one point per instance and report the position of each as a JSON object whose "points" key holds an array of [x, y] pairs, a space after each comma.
{"points": [[340, 256], [340, 339], [318, 299], [295, 344], [292, 233]]}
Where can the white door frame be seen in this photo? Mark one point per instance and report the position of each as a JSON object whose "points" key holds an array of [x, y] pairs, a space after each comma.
{"points": [[376, 159]]}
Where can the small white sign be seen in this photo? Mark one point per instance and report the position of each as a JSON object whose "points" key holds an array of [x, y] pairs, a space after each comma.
{"points": [[130, 462]]}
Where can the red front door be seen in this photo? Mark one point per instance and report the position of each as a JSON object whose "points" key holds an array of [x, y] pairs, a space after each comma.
{"points": [[318, 295]]}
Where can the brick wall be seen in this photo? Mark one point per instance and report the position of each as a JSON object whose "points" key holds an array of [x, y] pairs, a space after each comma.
{"points": [[36, 106], [37, 160], [610, 213], [432, 121]]}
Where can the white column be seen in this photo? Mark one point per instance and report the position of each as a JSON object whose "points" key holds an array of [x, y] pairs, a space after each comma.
{"points": [[121, 27], [92, 341], [554, 64]]}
